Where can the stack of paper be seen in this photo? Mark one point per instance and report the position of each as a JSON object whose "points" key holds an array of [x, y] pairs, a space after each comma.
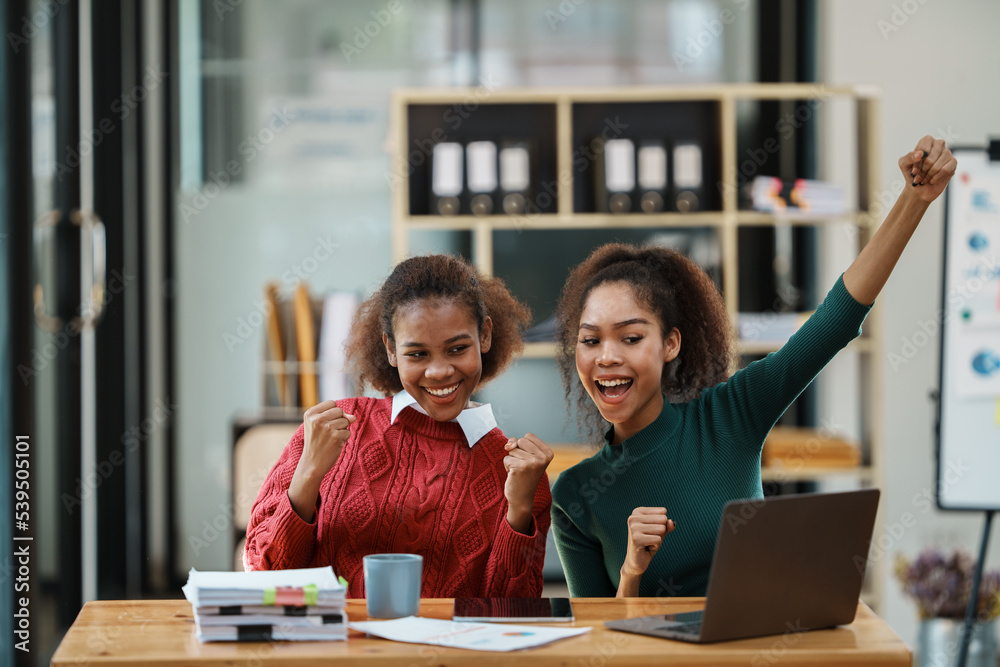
{"points": [[299, 605]]}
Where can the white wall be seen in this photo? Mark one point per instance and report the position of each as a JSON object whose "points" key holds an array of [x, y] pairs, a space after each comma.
{"points": [[937, 65]]}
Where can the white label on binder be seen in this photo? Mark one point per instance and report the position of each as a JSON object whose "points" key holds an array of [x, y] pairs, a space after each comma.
{"points": [[619, 162], [482, 165], [514, 170], [652, 167], [447, 177], [687, 166]]}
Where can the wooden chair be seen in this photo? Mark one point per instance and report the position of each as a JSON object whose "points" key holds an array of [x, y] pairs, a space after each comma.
{"points": [[256, 448]]}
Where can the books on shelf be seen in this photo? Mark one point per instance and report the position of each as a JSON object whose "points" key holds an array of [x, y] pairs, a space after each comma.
{"points": [[304, 355], [769, 327], [276, 344], [335, 328], [801, 197], [294, 605], [305, 334]]}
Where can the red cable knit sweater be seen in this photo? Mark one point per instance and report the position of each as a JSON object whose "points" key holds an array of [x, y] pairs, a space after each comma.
{"points": [[411, 487]]}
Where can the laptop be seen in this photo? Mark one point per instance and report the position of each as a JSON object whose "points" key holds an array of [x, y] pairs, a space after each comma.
{"points": [[781, 565]]}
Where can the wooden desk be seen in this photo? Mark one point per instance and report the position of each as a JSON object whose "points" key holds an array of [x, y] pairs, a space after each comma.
{"points": [[153, 633]]}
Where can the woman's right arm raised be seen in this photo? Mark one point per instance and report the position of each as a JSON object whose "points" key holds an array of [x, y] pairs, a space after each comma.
{"points": [[755, 397], [327, 428]]}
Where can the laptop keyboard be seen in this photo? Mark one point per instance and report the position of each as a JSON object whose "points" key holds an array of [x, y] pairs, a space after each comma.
{"points": [[683, 628]]}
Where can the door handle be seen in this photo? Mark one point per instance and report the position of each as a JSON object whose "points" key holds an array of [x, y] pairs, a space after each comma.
{"points": [[95, 241]]}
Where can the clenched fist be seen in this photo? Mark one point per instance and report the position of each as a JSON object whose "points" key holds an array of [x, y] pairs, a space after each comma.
{"points": [[525, 463], [928, 167], [327, 428], [646, 529], [325, 434]]}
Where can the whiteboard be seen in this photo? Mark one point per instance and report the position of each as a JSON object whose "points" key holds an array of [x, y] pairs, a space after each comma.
{"points": [[968, 460]]}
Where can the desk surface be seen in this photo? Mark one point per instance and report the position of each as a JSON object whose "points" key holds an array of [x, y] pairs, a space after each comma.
{"points": [[161, 632]]}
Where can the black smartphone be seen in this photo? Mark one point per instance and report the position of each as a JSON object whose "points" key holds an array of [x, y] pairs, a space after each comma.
{"points": [[513, 610]]}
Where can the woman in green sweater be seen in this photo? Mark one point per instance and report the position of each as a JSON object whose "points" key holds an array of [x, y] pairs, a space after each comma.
{"points": [[646, 331]]}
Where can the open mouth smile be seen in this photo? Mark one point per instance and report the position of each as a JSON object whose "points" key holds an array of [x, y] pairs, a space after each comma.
{"points": [[614, 388]]}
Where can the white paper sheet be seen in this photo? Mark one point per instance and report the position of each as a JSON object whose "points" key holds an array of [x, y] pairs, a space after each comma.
{"points": [[473, 636]]}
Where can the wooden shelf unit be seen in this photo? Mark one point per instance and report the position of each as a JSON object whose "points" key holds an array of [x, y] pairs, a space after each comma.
{"points": [[725, 221]]}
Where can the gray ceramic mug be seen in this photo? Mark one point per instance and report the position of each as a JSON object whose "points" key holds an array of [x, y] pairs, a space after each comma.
{"points": [[392, 584]]}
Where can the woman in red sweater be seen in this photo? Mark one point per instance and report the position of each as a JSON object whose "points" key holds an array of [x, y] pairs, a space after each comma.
{"points": [[424, 470]]}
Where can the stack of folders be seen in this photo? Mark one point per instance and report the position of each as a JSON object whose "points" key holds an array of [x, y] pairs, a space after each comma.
{"points": [[497, 178], [278, 605], [637, 175]]}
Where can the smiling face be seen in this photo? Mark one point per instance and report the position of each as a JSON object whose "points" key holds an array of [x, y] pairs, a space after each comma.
{"points": [[620, 354], [438, 353]]}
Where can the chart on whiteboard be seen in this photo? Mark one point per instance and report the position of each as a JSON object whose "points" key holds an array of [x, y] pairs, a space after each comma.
{"points": [[974, 280], [969, 406]]}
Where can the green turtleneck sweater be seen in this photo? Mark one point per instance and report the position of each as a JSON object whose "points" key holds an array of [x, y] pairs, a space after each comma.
{"points": [[693, 459]]}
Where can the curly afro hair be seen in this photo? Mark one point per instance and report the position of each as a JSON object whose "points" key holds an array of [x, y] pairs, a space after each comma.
{"points": [[673, 287], [433, 277]]}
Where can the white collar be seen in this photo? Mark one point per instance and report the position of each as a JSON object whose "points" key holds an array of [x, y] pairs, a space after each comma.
{"points": [[475, 422]]}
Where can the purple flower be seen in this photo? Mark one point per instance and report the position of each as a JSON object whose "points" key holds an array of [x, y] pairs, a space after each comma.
{"points": [[940, 584]]}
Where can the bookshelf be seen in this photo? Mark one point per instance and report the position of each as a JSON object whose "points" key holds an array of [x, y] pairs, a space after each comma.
{"points": [[300, 359], [559, 123]]}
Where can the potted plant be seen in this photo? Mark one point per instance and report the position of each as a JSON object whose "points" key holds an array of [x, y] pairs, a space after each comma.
{"points": [[940, 585]]}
